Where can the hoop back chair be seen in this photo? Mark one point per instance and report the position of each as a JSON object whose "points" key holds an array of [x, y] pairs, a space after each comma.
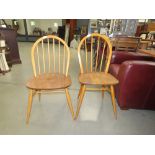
{"points": [[50, 61], [94, 67]]}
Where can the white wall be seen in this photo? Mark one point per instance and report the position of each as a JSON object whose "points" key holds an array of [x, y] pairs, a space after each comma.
{"points": [[21, 29], [29, 27]]}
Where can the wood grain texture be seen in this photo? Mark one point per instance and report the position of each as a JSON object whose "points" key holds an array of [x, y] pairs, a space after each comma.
{"points": [[49, 82], [82, 93], [69, 102], [125, 43], [29, 107], [113, 100], [97, 78]]}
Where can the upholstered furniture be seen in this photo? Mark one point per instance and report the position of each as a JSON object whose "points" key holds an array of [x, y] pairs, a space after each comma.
{"points": [[136, 75]]}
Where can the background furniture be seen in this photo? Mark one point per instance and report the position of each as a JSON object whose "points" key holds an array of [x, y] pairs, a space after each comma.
{"points": [[97, 74], [144, 44], [50, 67], [124, 26], [10, 38], [136, 75], [72, 24], [145, 28], [61, 32], [3, 52], [3, 64], [148, 52], [122, 43]]}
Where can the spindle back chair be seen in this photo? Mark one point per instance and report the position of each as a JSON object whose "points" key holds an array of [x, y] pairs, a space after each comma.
{"points": [[94, 68], [98, 57], [50, 57], [44, 58]]}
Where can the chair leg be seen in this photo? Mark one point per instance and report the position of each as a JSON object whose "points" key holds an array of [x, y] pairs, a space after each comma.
{"points": [[34, 92], [83, 89], [102, 92], [39, 96], [69, 102], [29, 105], [113, 100], [80, 91]]}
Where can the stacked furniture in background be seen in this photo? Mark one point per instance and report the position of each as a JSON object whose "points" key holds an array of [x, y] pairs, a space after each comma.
{"points": [[125, 43], [136, 75]]}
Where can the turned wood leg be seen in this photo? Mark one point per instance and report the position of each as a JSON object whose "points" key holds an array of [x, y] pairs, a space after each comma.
{"points": [[29, 105], [113, 100], [69, 102], [83, 88]]}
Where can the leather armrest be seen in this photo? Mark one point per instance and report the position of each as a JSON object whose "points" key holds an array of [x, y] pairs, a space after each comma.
{"points": [[136, 82], [119, 57]]}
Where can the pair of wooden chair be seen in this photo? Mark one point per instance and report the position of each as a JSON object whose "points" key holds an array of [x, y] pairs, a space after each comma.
{"points": [[50, 61]]}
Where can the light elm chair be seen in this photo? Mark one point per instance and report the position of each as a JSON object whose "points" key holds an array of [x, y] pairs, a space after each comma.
{"points": [[50, 61]]}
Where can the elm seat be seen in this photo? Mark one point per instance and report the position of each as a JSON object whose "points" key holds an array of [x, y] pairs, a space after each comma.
{"points": [[49, 82], [97, 78]]}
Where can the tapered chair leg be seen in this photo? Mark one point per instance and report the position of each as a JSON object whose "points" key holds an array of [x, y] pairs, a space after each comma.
{"points": [[113, 100], [69, 102], [80, 91], [34, 93], [83, 88], [102, 92], [29, 105]]}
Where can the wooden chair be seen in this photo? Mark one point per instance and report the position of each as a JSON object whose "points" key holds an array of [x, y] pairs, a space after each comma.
{"points": [[50, 61], [95, 75]]}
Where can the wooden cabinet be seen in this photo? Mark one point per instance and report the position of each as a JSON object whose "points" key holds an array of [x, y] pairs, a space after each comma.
{"points": [[10, 36], [72, 23]]}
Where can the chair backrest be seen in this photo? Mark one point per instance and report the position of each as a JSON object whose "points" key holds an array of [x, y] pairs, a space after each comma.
{"points": [[50, 54], [127, 43], [98, 59]]}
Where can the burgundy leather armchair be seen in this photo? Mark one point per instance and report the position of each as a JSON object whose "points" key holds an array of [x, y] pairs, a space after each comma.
{"points": [[136, 75]]}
